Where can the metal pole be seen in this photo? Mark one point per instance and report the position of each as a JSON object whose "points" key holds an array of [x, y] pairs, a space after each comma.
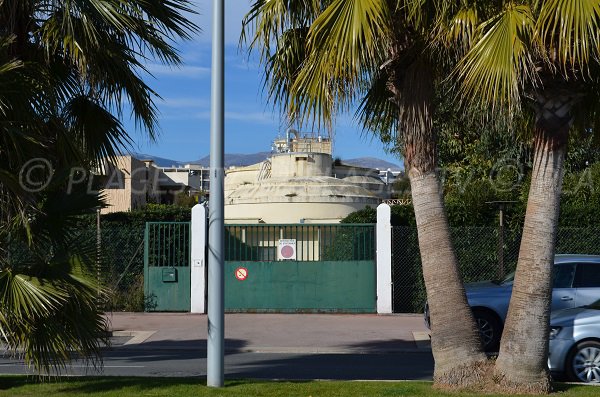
{"points": [[216, 318], [98, 254], [501, 243]]}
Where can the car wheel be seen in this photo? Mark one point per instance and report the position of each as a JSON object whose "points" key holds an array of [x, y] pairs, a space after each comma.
{"points": [[583, 362], [490, 330]]}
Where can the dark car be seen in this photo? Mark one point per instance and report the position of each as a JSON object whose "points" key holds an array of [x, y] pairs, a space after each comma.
{"points": [[576, 283]]}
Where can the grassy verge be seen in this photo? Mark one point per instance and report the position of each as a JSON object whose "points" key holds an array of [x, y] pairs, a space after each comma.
{"points": [[16, 386]]}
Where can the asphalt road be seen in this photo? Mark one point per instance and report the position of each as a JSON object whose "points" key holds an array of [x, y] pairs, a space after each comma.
{"points": [[264, 346], [288, 366]]}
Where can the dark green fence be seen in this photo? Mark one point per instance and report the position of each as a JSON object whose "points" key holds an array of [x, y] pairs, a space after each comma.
{"points": [[333, 269], [314, 242], [168, 244]]}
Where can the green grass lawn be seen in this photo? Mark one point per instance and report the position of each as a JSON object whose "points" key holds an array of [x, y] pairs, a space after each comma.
{"points": [[15, 386]]}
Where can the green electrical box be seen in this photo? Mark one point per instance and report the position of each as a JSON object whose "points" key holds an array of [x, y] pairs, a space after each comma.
{"points": [[169, 275]]}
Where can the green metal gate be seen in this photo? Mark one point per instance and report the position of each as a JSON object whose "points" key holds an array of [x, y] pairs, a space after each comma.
{"points": [[333, 270], [167, 266]]}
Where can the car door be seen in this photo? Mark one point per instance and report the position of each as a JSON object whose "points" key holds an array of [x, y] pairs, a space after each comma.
{"points": [[587, 283], [563, 293]]}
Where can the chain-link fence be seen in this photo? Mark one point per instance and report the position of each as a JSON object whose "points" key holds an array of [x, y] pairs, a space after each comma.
{"points": [[121, 264], [482, 252], [121, 259]]}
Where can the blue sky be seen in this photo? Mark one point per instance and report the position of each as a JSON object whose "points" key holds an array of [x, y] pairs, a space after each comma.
{"points": [[250, 122]]}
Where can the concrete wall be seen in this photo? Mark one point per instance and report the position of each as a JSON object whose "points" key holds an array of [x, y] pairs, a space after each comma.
{"points": [[290, 212], [300, 164], [118, 185], [239, 176]]}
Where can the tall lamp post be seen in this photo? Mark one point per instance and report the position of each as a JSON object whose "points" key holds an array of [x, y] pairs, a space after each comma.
{"points": [[216, 229]]}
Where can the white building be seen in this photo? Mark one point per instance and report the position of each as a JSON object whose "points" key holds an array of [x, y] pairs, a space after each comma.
{"points": [[193, 176], [300, 183]]}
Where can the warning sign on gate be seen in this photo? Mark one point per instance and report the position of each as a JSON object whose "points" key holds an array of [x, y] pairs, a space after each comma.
{"points": [[241, 273], [286, 249]]}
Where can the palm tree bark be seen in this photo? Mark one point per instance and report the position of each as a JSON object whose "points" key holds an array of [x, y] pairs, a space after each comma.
{"points": [[522, 362], [459, 359]]}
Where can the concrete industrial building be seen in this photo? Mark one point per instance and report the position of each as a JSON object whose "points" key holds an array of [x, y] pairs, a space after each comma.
{"points": [[300, 183]]}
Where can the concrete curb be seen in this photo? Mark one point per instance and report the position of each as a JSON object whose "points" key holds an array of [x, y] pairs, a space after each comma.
{"points": [[275, 350]]}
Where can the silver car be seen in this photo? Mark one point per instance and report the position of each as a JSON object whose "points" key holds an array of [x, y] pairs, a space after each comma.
{"points": [[575, 343], [576, 283]]}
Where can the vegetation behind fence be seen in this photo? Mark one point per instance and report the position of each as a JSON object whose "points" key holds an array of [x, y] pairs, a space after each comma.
{"points": [[478, 254], [121, 257]]}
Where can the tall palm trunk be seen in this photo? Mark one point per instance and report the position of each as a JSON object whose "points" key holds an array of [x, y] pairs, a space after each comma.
{"points": [[522, 362], [459, 360], [455, 343]]}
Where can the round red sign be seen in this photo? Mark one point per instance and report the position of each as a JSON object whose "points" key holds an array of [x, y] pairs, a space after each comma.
{"points": [[287, 251], [241, 273]]}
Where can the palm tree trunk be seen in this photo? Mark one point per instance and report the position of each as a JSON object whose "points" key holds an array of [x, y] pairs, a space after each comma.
{"points": [[521, 366], [459, 359]]}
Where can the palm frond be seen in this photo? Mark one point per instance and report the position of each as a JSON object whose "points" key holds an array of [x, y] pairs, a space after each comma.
{"points": [[457, 31], [378, 113], [499, 65], [269, 19], [283, 66], [95, 130], [28, 296], [346, 44], [570, 32]]}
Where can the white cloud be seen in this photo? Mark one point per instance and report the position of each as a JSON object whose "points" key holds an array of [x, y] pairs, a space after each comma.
{"points": [[188, 71]]}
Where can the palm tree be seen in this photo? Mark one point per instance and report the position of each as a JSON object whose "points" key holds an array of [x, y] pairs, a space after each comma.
{"points": [[544, 54], [322, 56], [68, 71]]}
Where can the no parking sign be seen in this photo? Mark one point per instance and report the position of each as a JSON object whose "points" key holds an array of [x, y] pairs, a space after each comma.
{"points": [[241, 273], [286, 249]]}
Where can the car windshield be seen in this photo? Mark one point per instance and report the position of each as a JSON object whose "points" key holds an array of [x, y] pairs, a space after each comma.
{"points": [[508, 279]]}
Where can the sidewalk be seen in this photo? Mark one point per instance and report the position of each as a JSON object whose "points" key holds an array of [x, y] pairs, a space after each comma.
{"points": [[275, 333]]}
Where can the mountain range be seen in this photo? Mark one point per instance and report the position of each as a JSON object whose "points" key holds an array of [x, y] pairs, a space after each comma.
{"points": [[240, 160]]}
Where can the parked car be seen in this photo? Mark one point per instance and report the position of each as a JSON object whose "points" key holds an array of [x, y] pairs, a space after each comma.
{"points": [[575, 343], [576, 283]]}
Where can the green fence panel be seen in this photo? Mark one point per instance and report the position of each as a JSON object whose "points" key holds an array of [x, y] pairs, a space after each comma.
{"points": [[290, 286], [167, 266], [334, 269]]}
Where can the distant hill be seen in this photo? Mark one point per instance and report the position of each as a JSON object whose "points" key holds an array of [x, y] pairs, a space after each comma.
{"points": [[159, 161], [240, 160], [236, 159]]}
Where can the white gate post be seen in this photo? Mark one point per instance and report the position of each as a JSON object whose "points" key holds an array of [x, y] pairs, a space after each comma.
{"points": [[384, 259], [198, 260]]}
